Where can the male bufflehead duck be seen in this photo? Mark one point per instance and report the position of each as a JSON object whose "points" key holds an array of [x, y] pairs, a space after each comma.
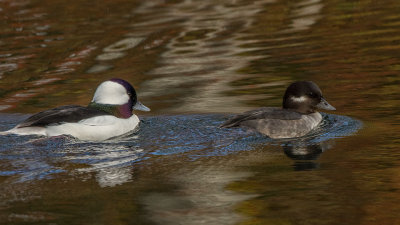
{"points": [[297, 117], [108, 115]]}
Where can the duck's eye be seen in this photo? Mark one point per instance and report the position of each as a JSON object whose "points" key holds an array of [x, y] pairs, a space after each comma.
{"points": [[312, 95]]}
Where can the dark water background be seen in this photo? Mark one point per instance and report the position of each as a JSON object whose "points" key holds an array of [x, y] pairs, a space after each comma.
{"points": [[194, 63]]}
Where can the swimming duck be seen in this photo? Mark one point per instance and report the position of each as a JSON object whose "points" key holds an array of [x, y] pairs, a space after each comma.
{"points": [[296, 118], [109, 114]]}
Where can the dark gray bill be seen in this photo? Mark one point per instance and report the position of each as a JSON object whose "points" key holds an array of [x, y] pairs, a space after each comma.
{"points": [[323, 104], [140, 106]]}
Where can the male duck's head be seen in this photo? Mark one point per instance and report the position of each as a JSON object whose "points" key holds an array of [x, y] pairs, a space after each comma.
{"points": [[305, 97], [118, 97]]}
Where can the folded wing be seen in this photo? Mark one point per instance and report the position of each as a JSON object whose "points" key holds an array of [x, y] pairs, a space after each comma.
{"points": [[265, 113], [62, 114]]}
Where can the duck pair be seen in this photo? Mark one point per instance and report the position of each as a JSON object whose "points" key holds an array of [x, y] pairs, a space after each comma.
{"points": [[110, 114]]}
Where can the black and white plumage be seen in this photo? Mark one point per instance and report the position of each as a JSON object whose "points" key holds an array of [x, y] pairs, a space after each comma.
{"points": [[296, 118], [108, 115]]}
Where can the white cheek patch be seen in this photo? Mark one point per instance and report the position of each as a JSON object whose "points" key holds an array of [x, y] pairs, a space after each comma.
{"points": [[298, 99], [110, 93]]}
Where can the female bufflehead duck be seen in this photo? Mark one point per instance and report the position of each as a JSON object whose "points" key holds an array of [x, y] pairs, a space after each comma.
{"points": [[108, 115], [297, 117]]}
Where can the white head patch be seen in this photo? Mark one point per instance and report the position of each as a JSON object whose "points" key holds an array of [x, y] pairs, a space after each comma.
{"points": [[110, 92], [298, 99]]}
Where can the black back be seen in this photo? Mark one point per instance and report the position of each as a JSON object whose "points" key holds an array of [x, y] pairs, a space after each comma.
{"points": [[62, 114]]}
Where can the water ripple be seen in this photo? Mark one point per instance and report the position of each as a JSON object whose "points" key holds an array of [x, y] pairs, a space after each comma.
{"points": [[191, 136]]}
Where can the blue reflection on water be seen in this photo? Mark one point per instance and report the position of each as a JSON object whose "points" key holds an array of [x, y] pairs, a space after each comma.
{"points": [[193, 136]]}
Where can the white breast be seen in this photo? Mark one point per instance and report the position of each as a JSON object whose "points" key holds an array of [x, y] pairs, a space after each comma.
{"points": [[95, 129]]}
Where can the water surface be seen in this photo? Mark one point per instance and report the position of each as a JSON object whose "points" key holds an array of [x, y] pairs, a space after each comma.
{"points": [[195, 63]]}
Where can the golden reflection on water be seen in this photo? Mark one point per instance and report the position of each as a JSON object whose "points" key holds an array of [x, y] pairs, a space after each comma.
{"points": [[200, 57]]}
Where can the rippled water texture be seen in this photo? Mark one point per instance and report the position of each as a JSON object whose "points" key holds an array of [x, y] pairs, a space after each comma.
{"points": [[29, 159], [195, 63], [193, 136]]}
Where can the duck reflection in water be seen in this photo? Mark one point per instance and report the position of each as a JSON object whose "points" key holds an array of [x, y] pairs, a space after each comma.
{"points": [[305, 154]]}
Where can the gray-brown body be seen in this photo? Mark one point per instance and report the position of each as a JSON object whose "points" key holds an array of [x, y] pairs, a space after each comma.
{"points": [[276, 122]]}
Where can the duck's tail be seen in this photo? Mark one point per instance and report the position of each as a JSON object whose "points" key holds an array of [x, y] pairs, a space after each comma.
{"points": [[5, 132]]}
